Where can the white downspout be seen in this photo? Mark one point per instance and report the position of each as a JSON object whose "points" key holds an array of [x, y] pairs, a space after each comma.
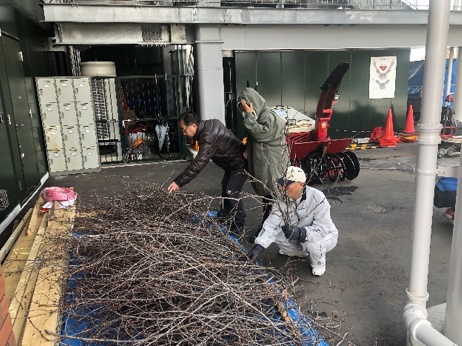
{"points": [[415, 313]]}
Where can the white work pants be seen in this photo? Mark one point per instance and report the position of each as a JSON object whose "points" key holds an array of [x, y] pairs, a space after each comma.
{"points": [[317, 249]]}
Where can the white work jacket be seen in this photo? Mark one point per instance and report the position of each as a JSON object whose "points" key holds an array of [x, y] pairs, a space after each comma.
{"points": [[311, 211]]}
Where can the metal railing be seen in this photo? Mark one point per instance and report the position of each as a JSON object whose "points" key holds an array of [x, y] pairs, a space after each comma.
{"points": [[359, 4], [313, 4]]}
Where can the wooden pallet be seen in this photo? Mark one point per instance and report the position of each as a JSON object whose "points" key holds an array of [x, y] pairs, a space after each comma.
{"points": [[34, 288]]}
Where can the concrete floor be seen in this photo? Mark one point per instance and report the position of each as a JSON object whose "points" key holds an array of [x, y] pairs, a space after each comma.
{"points": [[368, 272]]}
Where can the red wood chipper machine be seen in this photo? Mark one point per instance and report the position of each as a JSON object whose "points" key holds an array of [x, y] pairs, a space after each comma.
{"points": [[310, 146]]}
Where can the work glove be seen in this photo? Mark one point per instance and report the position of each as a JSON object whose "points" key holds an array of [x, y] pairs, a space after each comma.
{"points": [[294, 233], [255, 252]]}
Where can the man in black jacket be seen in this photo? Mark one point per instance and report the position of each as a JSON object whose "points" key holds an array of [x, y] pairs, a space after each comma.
{"points": [[220, 145]]}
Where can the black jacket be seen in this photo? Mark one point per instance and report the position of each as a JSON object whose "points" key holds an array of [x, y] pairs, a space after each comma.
{"points": [[218, 144]]}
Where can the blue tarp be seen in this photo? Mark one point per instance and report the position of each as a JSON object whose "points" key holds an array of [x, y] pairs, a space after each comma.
{"points": [[416, 73]]}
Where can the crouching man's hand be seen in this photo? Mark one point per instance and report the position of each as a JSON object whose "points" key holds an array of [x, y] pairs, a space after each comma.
{"points": [[294, 233], [255, 252]]}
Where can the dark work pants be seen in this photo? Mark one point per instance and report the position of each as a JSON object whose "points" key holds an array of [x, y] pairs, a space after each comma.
{"points": [[231, 188], [445, 199]]}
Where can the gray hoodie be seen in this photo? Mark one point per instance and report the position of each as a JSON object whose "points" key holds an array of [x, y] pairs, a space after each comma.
{"points": [[267, 152]]}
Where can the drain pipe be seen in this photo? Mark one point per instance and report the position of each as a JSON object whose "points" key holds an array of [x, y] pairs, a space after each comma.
{"points": [[415, 312]]}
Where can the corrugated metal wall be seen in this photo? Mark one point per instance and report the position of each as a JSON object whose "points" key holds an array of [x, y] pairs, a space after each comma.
{"points": [[293, 78]]}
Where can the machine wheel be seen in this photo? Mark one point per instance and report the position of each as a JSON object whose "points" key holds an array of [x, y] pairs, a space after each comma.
{"points": [[318, 168], [340, 167], [332, 171], [442, 152], [452, 151], [355, 160], [350, 170]]}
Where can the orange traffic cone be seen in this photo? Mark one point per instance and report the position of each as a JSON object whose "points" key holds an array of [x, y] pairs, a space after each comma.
{"points": [[388, 139], [409, 128], [409, 135]]}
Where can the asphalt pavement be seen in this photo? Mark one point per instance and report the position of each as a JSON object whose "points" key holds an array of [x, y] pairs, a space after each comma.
{"points": [[361, 297]]}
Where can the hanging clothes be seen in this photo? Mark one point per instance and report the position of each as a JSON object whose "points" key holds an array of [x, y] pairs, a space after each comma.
{"points": [[189, 79], [162, 136]]}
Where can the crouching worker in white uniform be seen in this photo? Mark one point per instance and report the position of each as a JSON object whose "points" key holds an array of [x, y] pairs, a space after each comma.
{"points": [[299, 223]]}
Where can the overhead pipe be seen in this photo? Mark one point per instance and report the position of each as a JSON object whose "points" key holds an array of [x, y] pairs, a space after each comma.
{"points": [[415, 311]]}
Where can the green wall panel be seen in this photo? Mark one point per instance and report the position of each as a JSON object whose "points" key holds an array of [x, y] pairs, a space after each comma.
{"points": [[269, 77], [293, 78], [247, 62], [317, 69], [360, 106], [340, 123], [246, 68]]}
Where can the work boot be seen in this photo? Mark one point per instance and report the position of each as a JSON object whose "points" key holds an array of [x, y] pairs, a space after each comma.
{"points": [[318, 271]]}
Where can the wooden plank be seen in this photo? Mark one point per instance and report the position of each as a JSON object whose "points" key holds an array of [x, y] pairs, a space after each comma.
{"points": [[44, 316], [21, 299], [14, 236], [12, 270], [16, 260], [17, 257], [34, 223]]}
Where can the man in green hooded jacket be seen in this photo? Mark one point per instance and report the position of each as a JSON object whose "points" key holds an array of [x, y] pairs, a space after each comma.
{"points": [[267, 152]]}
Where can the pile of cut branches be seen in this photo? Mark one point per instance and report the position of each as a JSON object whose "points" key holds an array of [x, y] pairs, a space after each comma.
{"points": [[149, 268]]}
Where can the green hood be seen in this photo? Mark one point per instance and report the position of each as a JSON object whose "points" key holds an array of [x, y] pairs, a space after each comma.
{"points": [[258, 102]]}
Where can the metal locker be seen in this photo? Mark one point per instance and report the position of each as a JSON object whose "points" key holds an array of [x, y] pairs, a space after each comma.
{"points": [[53, 138], [71, 137], [88, 135], [56, 161], [68, 114], [50, 114], [85, 113], [90, 158], [46, 90], [65, 90], [82, 89], [74, 159]]}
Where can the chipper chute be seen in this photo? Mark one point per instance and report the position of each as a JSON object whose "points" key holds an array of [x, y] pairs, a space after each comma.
{"points": [[321, 157]]}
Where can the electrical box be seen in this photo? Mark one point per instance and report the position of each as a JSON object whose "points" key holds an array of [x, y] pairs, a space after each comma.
{"points": [[68, 121]]}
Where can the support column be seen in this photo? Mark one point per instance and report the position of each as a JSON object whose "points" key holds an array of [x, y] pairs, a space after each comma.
{"points": [[453, 318], [209, 65]]}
